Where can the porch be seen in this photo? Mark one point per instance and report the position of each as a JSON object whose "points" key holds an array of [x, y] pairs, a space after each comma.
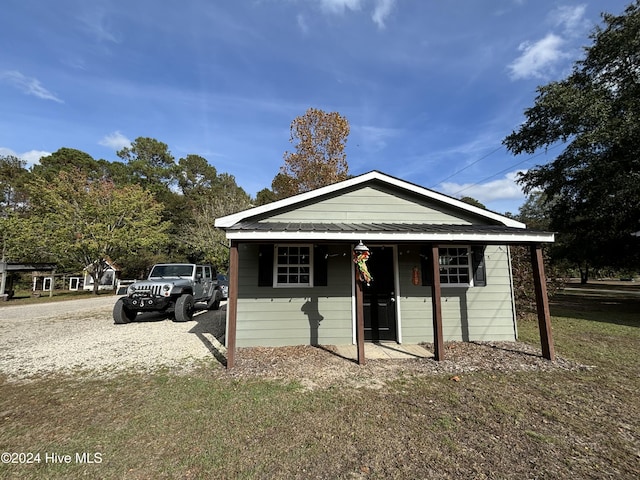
{"points": [[384, 351]]}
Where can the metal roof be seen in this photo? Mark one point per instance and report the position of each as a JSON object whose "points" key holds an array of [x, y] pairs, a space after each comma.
{"points": [[291, 231]]}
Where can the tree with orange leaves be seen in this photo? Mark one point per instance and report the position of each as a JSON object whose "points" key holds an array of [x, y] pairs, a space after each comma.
{"points": [[319, 158]]}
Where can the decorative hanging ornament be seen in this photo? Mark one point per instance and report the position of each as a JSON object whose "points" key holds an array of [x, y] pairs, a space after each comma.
{"points": [[360, 256]]}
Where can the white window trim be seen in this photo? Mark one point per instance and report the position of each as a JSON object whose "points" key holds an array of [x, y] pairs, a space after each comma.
{"points": [[275, 266], [469, 266]]}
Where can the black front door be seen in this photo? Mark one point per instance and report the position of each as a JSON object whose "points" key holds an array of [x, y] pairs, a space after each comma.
{"points": [[380, 297]]}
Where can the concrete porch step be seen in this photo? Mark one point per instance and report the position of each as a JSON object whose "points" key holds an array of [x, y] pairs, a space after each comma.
{"points": [[384, 350]]}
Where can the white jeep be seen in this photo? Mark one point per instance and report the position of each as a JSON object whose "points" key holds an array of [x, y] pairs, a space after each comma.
{"points": [[170, 287]]}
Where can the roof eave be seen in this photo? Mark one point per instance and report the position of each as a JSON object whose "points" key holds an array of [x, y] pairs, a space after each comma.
{"points": [[515, 237]]}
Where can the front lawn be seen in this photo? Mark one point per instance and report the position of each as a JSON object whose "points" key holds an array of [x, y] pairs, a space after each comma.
{"points": [[556, 424]]}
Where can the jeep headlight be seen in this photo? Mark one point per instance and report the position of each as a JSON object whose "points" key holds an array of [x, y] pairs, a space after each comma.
{"points": [[131, 289], [166, 290]]}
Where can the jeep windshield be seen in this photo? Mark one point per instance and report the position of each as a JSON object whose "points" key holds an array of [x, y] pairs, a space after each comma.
{"points": [[175, 271]]}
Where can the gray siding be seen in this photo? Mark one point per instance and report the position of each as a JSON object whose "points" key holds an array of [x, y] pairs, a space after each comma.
{"points": [[475, 313], [288, 316], [375, 204]]}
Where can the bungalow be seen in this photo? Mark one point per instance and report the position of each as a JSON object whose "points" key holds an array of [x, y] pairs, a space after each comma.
{"points": [[375, 258]]}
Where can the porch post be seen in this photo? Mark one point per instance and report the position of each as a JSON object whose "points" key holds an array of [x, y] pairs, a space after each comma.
{"points": [[542, 302], [232, 305], [436, 301], [359, 318]]}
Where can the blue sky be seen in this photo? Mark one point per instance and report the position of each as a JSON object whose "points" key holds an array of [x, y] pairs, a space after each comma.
{"points": [[430, 87]]}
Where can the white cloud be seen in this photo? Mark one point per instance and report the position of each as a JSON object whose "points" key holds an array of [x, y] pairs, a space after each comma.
{"points": [[31, 157], [374, 139], [339, 6], [381, 8], [538, 59], [302, 23], [94, 22], [571, 19], [30, 86], [504, 188], [7, 152], [382, 11], [115, 140], [543, 58]]}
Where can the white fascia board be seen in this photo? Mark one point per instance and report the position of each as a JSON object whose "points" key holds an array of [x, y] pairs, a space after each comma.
{"points": [[538, 237], [508, 222], [231, 220]]}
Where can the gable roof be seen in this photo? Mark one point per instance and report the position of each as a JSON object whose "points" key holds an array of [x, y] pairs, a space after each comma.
{"points": [[266, 223], [231, 220]]}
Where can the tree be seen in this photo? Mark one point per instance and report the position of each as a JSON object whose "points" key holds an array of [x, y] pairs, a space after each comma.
{"points": [[535, 214], [195, 175], [264, 197], [67, 159], [319, 139], [284, 186], [473, 201], [151, 162], [154, 168], [206, 196], [12, 201], [12, 177], [118, 172], [79, 222], [595, 181], [203, 239]]}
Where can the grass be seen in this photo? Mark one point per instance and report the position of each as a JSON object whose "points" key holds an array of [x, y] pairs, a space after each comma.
{"points": [[24, 297], [559, 424]]}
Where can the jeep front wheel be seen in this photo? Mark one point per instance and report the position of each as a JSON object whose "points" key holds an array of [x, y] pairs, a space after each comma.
{"points": [[122, 314], [184, 308], [214, 302]]}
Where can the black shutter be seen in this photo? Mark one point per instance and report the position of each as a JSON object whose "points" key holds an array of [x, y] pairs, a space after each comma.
{"points": [[320, 265], [425, 265], [477, 263], [265, 265]]}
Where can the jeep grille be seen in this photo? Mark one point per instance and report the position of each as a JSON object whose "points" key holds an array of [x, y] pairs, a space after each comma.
{"points": [[149, 290]]}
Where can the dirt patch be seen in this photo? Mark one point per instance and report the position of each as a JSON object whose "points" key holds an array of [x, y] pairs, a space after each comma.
{"points": [[322, 367]]}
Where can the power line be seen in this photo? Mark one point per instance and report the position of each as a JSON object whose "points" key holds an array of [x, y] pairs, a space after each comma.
{"points": [[506, 169], [464, 168]]}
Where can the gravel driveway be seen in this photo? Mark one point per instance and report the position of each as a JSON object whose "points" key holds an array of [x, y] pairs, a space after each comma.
{"points": [[80, 335]]}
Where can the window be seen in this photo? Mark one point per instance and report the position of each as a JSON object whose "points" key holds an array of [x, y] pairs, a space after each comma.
{"points": [[293, 266], [462, 266], [172, 271], [455, 266]]}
